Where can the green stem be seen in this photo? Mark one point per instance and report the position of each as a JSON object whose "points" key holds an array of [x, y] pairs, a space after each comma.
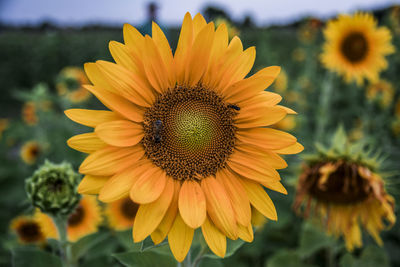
{"points": [[324, 106], [196, 261], [64, 245]]}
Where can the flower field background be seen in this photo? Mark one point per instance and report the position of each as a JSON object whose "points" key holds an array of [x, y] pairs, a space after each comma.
{"points": [[41, 76]]}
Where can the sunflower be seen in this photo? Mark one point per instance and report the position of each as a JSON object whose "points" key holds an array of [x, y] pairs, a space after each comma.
{"points": [[4, 123], [30, 151], [27, 230], [69, 84], [287, 124], [121, 213], [280, 84], [382, 92], [356, 47], [85, 220], [185, 137], [341, 188], [29, 113]]}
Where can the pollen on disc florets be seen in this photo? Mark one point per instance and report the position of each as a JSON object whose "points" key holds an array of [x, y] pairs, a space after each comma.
{"points": [[189, 132]]}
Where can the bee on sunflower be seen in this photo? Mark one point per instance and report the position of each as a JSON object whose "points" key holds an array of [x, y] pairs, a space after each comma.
{"points": [[341, 188], [355, 47], [84, 220], [185, 137], [27, 230]]}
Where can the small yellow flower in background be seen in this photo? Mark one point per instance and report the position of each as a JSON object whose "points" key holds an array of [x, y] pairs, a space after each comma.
{"points": [[397, 109], [27, 230], [83, 221], [287, 124], [395, 19], [299, 54], [30, 151], [280, 84], [382, 92], [29, 113], [121, 213], [308, 31], [70, 83], [396, 127], [232, 30], [356, 47], [339, 188], [189, 128], [4, 123]]}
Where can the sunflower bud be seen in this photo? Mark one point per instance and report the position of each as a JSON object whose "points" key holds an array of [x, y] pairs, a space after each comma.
{"points": [[53, 188]]}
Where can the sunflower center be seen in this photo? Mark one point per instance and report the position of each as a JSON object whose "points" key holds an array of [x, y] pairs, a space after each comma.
{"points": [[355, 47], [29, 231], [343, 186], [129, 208], [189, 132], [77, 216]]}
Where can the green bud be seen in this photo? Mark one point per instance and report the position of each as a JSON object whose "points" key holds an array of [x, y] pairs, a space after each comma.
{"points": [[53, 188]]}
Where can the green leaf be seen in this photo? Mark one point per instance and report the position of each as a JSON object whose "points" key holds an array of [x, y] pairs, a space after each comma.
{"points": [[29, 256], [286, 258], [148, 258], [83, 245], [347, 260], [339, 139], [231, 247], [312, 240], [373, 256], [208, 262]]}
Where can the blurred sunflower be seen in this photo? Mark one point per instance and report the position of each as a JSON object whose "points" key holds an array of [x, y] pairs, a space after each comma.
{"points": [[280, 84], [29, 113], [341, 188], [69, 84], [85, 220], [287, 124], [356, 47], [30, 151], [4, 123], [185, 138], [121, 213], [27, 230], [382, 92]]}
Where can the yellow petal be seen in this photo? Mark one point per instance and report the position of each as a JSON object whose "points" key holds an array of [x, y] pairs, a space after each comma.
{"points": [[184, 45], [118, 186], [180, 238], [86, 143], [216, 241], [271, 158], [165, 51], [150, 215], [92, 185], [219, 206], [257, 116], [117, 103], [266, 138], [246, 233], [200, 54], [110, 160], [293, 149], [133, 39], [156, 70], [276, 186], [165, 225], [149, 186], [288, 110], [122, 56], [126, 83], [192, 204], [198, 24], [120, 133], [91, 118], [260, 199], [96, 77]]}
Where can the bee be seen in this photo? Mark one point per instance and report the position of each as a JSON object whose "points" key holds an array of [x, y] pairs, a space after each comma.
{"points": [[157, 128], [234, 107]]}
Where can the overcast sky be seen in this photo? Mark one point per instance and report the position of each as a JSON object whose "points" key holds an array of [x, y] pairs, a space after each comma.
{"points": [[171, 12]]}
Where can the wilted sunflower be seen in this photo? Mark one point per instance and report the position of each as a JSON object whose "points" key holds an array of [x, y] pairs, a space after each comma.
{"points": [[382, 92], [356, 47], [85, 220], [121, 213], [30, 151], [341, 188], [185, 133], [27, 230]]}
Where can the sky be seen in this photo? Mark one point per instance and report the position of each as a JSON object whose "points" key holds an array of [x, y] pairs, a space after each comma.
{"points": [[171, 12]]}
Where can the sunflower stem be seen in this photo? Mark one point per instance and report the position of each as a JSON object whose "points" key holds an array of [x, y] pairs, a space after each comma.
{"points": [[324, 106], [64, 246]]}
